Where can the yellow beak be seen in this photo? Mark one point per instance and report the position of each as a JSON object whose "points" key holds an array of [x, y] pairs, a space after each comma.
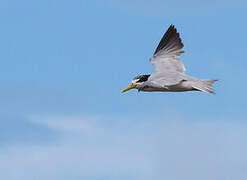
{"points": [[129, 87]]}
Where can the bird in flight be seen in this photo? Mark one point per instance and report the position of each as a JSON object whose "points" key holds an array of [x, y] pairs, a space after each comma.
{"points": [[169, 75]]}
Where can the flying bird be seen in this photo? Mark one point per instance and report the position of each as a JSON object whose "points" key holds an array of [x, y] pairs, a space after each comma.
{"points": [[169, 75]]}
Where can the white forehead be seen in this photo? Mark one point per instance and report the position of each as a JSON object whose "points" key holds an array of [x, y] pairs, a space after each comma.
{"points": [[134, 81]]}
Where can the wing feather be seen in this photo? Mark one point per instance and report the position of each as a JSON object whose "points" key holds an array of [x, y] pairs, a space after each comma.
{"points": [[170, 40], [165, 57]]}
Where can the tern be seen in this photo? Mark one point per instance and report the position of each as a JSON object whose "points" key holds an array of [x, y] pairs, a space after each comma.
{"points": [[169, 75]]}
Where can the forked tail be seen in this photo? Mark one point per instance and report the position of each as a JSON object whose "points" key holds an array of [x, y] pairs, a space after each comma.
{"points": [[205, 85]]}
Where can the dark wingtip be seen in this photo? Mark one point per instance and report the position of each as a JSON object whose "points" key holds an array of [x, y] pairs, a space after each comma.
{"points": [[170, 37]]}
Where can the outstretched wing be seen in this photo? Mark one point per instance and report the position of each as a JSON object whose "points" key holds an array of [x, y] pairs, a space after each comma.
{"points": [[165, 57]]}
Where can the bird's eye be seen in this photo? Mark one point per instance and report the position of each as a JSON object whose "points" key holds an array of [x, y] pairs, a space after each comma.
{"points": [[143, 78]]}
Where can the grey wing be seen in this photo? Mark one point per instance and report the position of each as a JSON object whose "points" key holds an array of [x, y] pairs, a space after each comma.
{"points": [[166, 54], [166, 79]]}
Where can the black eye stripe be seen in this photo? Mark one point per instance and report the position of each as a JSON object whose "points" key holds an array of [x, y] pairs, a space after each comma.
{"points": [[142, 78]]}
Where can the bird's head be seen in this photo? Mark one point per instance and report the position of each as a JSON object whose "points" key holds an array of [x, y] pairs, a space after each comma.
{"points": [[137, 82]]}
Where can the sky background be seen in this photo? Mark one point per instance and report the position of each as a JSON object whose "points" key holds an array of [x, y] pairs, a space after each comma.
{"points": [[63, 65]]}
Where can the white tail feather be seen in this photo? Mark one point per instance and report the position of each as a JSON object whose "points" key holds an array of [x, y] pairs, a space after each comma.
{"points": [[205, 85]]}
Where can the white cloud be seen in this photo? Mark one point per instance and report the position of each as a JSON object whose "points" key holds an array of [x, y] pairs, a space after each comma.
{"points": [[139, 149], [72, 124]]}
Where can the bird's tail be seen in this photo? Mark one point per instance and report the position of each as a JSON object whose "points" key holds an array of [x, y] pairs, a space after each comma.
{"points": [[205, 85]]}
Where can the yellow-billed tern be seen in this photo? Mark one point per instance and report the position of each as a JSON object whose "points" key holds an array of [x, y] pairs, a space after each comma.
{"points": [[169, 70]]}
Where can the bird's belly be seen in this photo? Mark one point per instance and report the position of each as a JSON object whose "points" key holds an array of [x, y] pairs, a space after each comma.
{"points": [[183, 86], [153, 89]]}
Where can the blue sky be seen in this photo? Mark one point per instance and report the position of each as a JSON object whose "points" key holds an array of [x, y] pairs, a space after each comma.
{"points": [[63, 66]]}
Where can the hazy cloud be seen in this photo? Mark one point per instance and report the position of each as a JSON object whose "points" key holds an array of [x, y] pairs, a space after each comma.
{"points": [[160, 149]]}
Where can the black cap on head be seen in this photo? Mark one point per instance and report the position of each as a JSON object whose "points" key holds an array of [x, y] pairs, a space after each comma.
{"points": [[142, 78]]}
